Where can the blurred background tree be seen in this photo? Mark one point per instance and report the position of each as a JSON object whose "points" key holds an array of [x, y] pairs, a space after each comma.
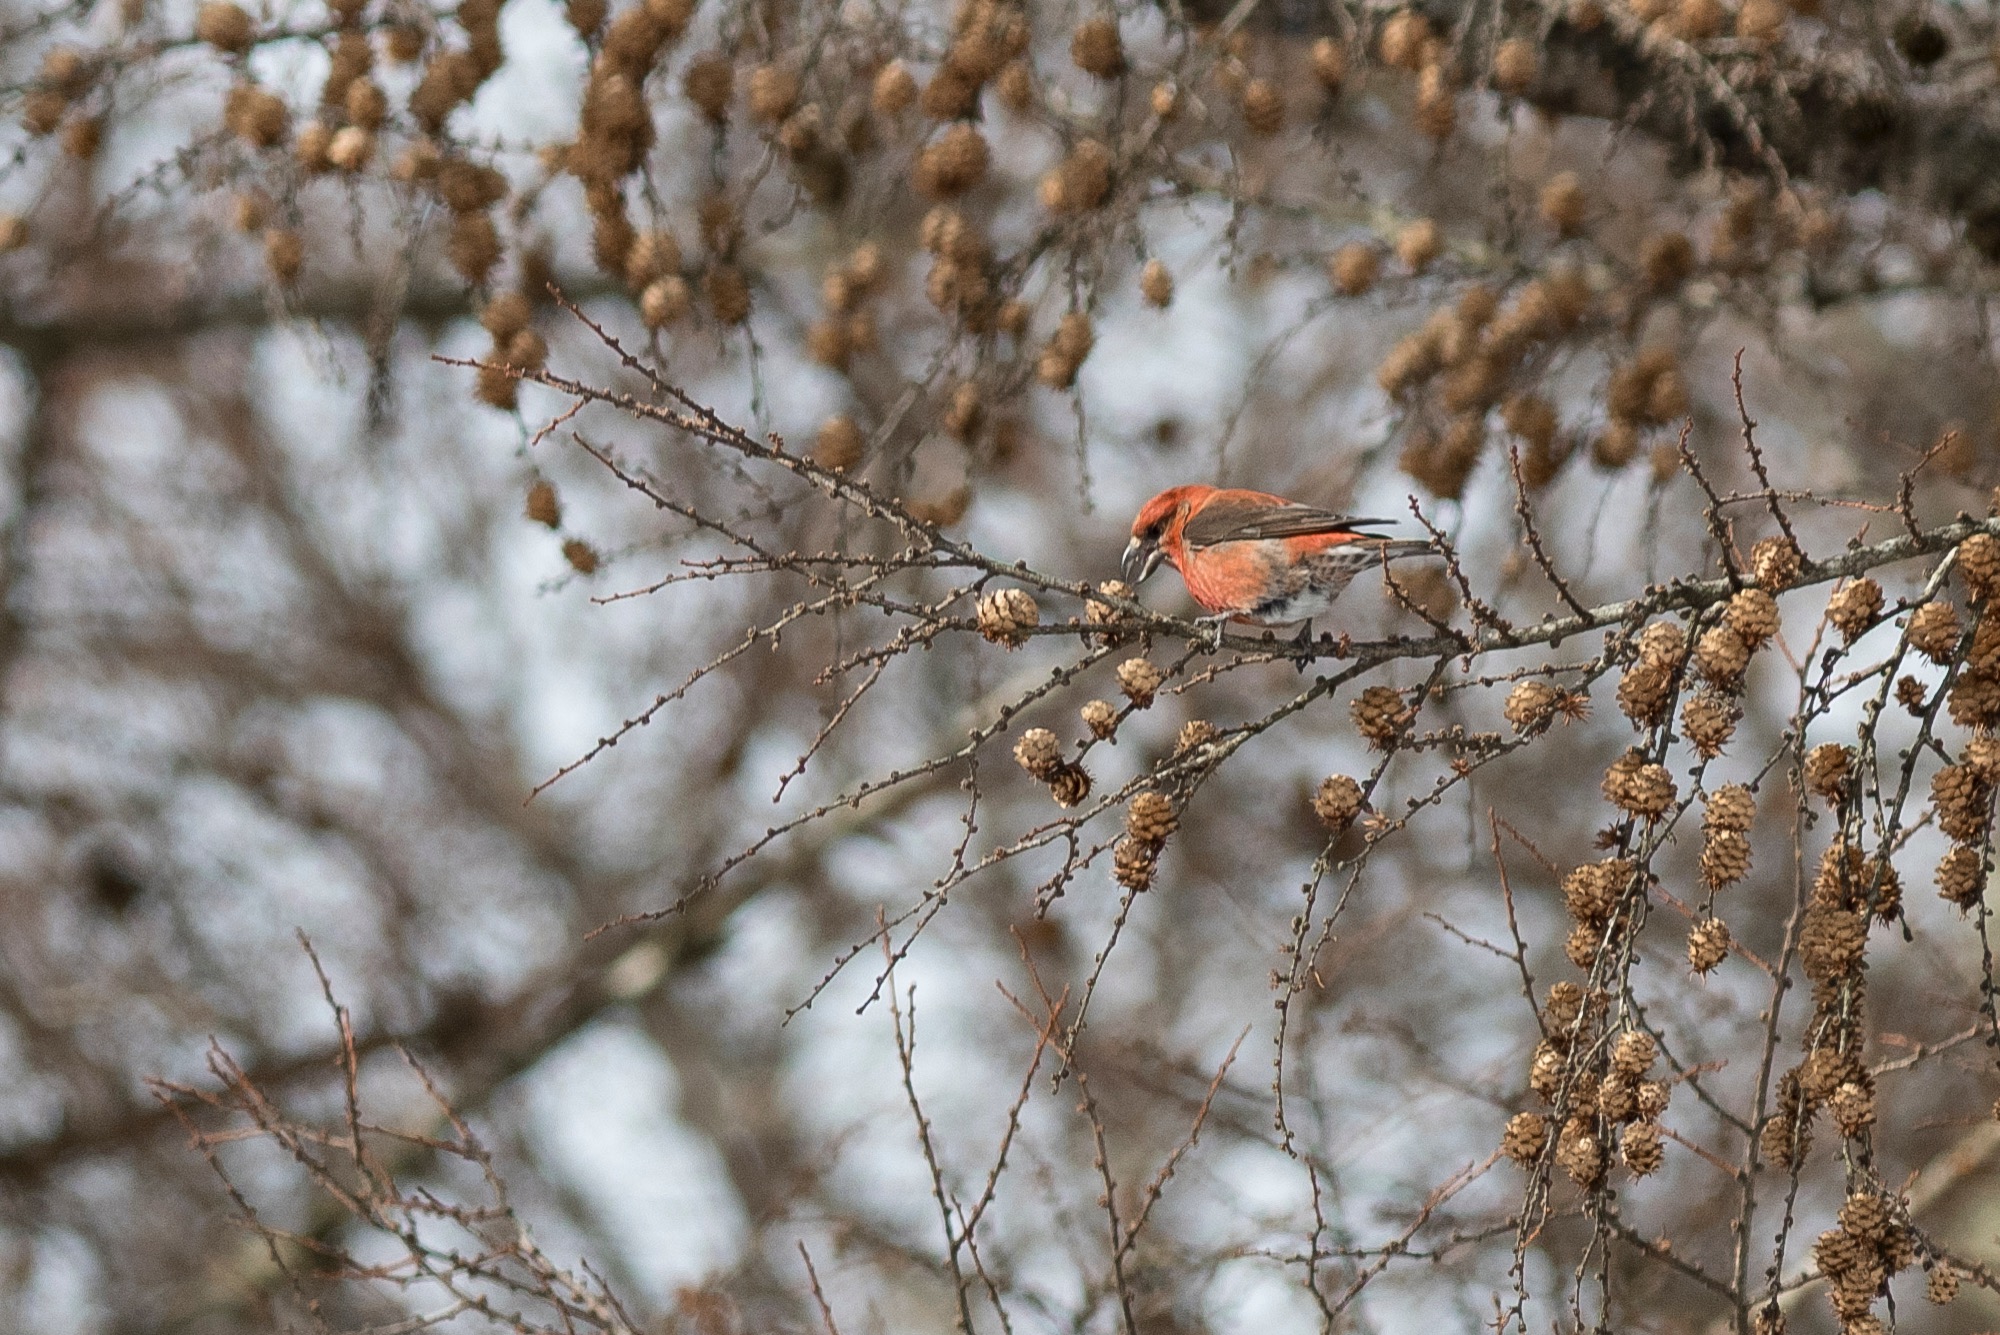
{"points": [[343, 343]]}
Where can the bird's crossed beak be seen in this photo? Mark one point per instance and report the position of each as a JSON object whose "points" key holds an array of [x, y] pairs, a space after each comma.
{"points": [[1141, 559]]}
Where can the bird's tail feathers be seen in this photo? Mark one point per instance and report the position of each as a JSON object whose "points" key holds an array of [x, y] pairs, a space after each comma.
{"points": [[1398, 547]]}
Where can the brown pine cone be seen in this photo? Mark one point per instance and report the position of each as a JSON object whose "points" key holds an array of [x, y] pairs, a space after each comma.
{"points": [[1838, 1252], [1824, 1070], [1912, 696], [1878, 877], [1382, 715], [1831, 942], [1708, 945], [1007, 615], [1195, 733], [1530, 705], [1582, 943], [1633, 1054], [1961, 876], [1722, 656], [1725, 858], [1866, 1216], [1592, 891], [1644, 691], [1639, 787], [1982, 656], [1640, 1147], [1753, 615], [1579, 1153], [1618, 1098], [1841, 880], [1095, 48], [1133, 862], [839, 443], [1709, 720], [1730, 807], [1099, 613], [1975, 701], [1150, 817], [1653, 1097], [1563, 1007], [1662, 642], [1526, 1133], [1263, 108], [1515, 64], [1039, 753], [1338, 801], [1963, 801], [1934, 631], [1979, 564], [1853, 1108], [1546, 1070], [1854, 608], [1784, 1140], [1827, 770], [1070, 785], [1983, 755], [1139, 679], [1774, 562]]}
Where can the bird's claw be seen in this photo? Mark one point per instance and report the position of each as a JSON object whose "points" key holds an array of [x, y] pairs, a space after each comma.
{"points": [[1211, 638], [1302, 647]]}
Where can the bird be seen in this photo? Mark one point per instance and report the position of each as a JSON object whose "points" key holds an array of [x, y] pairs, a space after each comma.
{"points": [[1255, 558]]}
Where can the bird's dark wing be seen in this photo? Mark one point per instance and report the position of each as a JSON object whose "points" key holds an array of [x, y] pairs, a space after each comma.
{"points": [[1232, 520]]}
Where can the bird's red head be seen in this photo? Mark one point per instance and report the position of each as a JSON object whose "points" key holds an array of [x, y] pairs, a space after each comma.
{"points": [[1156, 530]]}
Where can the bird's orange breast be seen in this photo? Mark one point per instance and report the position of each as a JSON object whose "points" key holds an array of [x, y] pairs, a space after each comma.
{"points": [[1232, 576]]}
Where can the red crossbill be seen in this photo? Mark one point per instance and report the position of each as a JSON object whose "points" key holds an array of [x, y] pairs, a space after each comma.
{"points": [[1255, 558]]}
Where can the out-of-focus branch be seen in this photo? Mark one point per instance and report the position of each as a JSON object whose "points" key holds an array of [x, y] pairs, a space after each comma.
{"points": [[133, 321]]}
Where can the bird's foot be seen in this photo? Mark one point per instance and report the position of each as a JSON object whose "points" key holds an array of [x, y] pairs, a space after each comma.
{"points": [[1302, 647], [1212, 631]]}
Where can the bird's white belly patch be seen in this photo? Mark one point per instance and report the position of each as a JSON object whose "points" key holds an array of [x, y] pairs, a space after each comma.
{"points": [[1315, 585]]}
